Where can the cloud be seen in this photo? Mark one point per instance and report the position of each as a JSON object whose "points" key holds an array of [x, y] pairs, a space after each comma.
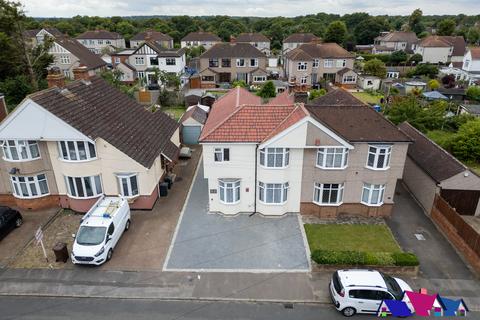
{"points": [[288, 8]]}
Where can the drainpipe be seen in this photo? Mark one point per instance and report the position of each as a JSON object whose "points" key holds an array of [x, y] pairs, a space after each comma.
{"points": [[255, 181]]}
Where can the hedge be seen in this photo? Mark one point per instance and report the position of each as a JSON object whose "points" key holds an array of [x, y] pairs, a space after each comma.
{"points": [[364, 258]]}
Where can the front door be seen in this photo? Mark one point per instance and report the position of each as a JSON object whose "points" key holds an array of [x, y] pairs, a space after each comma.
{"points": [[225, 77]]}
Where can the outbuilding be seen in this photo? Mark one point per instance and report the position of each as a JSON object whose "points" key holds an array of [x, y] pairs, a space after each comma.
{"points": [[368, 82], [192, 123]]}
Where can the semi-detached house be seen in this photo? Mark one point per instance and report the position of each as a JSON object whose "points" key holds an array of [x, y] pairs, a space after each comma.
{"points": [[69, 144], [321, 160], [99, 41]]}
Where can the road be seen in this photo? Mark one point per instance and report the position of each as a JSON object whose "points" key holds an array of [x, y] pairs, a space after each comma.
{"points": [[119, 309]]}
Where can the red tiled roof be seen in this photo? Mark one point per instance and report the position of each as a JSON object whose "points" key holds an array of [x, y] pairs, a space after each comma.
{"points": [[296, 115], [282, 98]]}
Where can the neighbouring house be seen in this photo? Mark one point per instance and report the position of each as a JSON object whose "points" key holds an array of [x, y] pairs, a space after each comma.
{"points": [[366, 82], [163, 40], [472, 109], [119, 61], [92, 140], [35, 37], [201, 38], [192, 123], [471, 60], [430, 170], [227, 62], [292, 158], [3, 107], [442, 49], [389, 42], [258, 40], [309, 64], [297, 39], [101, 41], [338, 98]]}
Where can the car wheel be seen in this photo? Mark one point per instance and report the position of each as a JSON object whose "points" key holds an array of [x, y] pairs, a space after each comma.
{"points": [[109, 254], [349, 311], [127, 225], [18, 222]]}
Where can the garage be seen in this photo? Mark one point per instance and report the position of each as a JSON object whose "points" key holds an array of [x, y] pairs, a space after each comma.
{"points": [[191, 133], [192, 123]]}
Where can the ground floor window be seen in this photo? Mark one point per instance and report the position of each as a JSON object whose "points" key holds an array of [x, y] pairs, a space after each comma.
{"points": [[349, 79], [84, 187], [373, 194], [273, 193], [128, 184], [229, 190], [328, 193], [30, 187], [259, 78], [208, 78]]}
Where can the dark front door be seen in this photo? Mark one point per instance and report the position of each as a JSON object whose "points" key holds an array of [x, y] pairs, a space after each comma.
{"points": [[225, 77]]}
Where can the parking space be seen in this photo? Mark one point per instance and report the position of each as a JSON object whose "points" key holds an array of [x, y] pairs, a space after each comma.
{"points": [[212, 242]]}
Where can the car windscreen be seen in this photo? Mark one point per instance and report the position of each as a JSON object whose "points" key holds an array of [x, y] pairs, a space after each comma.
{"points": [[91, 236], [393, 286], [336, 282]]}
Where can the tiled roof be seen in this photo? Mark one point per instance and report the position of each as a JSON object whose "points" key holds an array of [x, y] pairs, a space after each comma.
{"points": [[399, 36], [233, 50], [341, 72], [298, 54], [201, 36], [301, 38], [325, 50], [337, 97], [151, 35], [98, 110], [171, 151], [435, 161], [99, 34], [33, 32], [86, 57], [162, 51], [282, 98], [252, 37], [196, 113], [457, 42], [298, 113]]}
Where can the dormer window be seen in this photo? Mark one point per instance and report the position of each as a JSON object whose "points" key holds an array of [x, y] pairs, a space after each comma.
{"points": [[20, 150], [77, 150]]}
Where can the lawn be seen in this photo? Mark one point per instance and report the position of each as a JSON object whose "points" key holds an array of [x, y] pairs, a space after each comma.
{"points": [[175, 112], [355, 237], [367, 97]]}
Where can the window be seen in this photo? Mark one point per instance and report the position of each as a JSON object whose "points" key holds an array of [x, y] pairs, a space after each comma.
{"points": [[259, 78], [273, 193], [373, 194], [117, 60], [226, 63], [328, 193], [128, 184], [141, 74], [170, 61], [240, 62], [364, 294], [341, 63], [30, 187], [154, 61], [466, 64], [208, 78], [77, 150], [379, 157], [100, 41], [139, 60], [64, 59], [349, 79], [332, 158], [316, 63], [20, 150], [303, 80], [253, 62], [108, 42], [274, 157], [91, 41], [229, 190], [213, 63], [66, 73], [84, 187], [222, 154], [328, 63], [302, 66]]}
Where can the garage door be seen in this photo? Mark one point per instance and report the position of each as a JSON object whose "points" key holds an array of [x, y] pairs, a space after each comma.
{"points": [[191, 134]]}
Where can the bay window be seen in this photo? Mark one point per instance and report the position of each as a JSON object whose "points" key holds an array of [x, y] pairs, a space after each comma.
{"points": [[328, 193], [77, 150], [128, 184], [273, 193], [379, 157], [332, 158], [275, 157], [229, 190], [372, 194], [20, 150], [84, 187], [30, 187]]}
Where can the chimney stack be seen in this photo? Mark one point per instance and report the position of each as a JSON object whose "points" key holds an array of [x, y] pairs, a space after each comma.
{"points": [[81, 73], [3, 107], [300, 97], [55, 78]]}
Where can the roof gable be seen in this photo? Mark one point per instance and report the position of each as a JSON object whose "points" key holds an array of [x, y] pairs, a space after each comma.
{"points": [[86, 57]]}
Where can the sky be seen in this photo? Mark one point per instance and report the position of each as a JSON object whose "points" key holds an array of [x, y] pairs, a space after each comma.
{"points": [[262, 8]]}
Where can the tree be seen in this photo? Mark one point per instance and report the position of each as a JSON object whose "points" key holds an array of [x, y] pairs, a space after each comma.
{"points": [[448, 81], [239, 83], [424, 69], [415, 58], [473, 35], [446, 27], [336, 32], [398, 56], [315, 93], [267, 90], [415, 21], [376, 68], [433, 84], [367, 30], [466, 144], [473, 93]]}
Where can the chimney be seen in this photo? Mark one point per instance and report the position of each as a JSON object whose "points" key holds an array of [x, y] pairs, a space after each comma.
{"points": [[300, 97], [3, 107], [55, 78], [81, 73], [233, 39]]}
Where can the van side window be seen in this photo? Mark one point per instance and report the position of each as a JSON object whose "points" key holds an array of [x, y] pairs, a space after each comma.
{"points": [[363, 294], [382, 295], [111, 229]]}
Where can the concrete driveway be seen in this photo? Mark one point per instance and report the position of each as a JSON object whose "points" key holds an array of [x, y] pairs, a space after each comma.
{"points": [[212, 242]]}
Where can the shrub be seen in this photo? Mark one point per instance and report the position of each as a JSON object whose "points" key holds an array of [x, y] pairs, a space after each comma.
{"points": [[338, 257], [379, 259], [405, 259], [364, 258]]}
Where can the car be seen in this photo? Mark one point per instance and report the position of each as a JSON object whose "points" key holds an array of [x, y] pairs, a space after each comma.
{"points": [[100, 230], [362, 290], [9, 220]]}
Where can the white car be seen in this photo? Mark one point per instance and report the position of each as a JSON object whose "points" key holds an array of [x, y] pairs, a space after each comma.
{"points": [[361, 291], [100, 229]]}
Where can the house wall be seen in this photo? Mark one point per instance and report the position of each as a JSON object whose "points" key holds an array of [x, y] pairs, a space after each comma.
{"points": [[472, 65], [420, 184], [434, 54], [177, 68], [97, 45], [190, 44], [291, 69], [128, 75], [363, 83], [233, 70]]}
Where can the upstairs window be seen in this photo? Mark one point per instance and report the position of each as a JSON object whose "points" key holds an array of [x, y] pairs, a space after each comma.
{"points": [[341, 63], [20, 150], [139, 61], [275, 157], [240, 62], [226, 63], [154, 61], [273, 193], [77, 150], [253, 62], [221, 154], [379, 157], [332, 158], [213, 63], [316, 63], [64, 59], [302, 66], [328, 63]]}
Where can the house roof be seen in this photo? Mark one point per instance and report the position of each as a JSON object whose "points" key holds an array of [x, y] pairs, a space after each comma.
{"points": [[201, 36], [33, 32], [434, 41], [337, 97], [475, 52], [282, 98], [434, 95], [162, 51], [151, 35], [86, 57], [325, 50], [98, 110], [399, 36], [252, 37], [196, 113], [433, 159], [99, 34], [301, 38], [452, 91], [233, 50], [341, 72], [298, 54], [458, 43]]}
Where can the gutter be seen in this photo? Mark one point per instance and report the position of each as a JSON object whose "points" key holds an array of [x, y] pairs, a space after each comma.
{"points": [[255, 181]]}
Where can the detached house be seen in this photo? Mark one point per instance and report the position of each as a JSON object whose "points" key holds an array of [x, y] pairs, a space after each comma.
{"points": [[297, 39], [389, 42], [99, 41], [69, 144], [321, 160], [227, 62], [258, 40], [162, 39], [442, 49], [201, 38]]}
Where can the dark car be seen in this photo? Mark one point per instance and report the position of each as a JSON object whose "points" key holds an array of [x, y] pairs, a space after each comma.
{"points": [[9, 220]]}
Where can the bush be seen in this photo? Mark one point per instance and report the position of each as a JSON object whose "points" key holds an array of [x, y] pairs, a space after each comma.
{"points": [[338, 257], [364, 258], [405, 259], [379, 259]]}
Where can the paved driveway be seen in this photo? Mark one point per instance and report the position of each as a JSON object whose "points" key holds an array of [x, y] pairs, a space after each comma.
{"points": [[210, 242]]}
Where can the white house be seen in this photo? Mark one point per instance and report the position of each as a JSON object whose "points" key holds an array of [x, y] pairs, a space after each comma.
{"points": [[442, 49], [471, 60], [368, 82], [100, 41]]}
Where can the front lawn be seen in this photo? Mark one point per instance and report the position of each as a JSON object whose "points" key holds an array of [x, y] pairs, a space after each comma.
{"points": [[367, 97], [355, 237]]}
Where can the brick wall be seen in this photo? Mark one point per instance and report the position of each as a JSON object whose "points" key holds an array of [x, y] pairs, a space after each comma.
{"points": [[30, 204], [328, 212]]}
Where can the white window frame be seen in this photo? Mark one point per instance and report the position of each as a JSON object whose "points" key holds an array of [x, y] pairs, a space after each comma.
{"points": [[328, 63], [227, 185], [64, 59], [28, 182], [28, 147], [320, 188], [349, 79], [302, 66], [316, 63], [255, 62], [139, 61], [303, 80], [265, 188], [168, 61], [241, 63], [128, 177], [95, 184], [275, 153], [108, 42], [259, 78], [219, 155], [372, 189], [68, 156], [141, 74], [117, 60], [341, 63], [100, 41], [375, 152], [325, 154]]}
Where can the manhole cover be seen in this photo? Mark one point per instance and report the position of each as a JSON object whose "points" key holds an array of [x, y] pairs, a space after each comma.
{"points": [[419, 236]]}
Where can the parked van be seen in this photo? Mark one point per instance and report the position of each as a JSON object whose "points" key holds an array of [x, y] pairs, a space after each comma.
{"points": [[100, 229]]}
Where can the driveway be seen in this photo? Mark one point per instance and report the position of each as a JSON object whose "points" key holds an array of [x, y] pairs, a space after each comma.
{"points": [[212, 242]]}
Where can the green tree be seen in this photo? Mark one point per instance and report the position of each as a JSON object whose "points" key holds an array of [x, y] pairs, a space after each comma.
{"points": [[126, 29], [415, 21], [473, 35], [315, 93], [398, 57], [424, 69], [466, 144], [446, 27], [376, 68], [336, 32], [195, 51], [239, 83], [433, 84], [415, 58], [473, 93], [267, 90], [367, 30]]}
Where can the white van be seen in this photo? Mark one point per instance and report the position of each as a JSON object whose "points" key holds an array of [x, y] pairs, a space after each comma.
{"points": [[100, 229]]}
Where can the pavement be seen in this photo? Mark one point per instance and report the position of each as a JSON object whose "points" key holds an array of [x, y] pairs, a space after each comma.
{"points": [[213, 242]]}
